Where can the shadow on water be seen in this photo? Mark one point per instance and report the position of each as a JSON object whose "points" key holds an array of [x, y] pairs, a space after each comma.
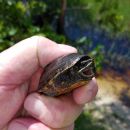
{"points": [[87, 122]]}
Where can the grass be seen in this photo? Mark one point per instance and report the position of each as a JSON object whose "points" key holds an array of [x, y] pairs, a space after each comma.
{"points": [[87, 122]]}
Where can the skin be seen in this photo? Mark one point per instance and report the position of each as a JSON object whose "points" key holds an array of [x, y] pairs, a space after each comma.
{"points": [[20, 70]]}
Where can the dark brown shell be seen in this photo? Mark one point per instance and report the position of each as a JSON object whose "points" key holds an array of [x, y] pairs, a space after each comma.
{"points": [[62, 75]]}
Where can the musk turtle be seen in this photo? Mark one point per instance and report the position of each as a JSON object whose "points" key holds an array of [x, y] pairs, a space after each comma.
{"points": [[65, 74]]}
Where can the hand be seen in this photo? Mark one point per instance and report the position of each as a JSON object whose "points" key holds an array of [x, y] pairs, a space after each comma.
{"points": [[20, 70]]}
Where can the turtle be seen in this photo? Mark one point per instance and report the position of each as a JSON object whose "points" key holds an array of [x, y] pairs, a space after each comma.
{"points": [[66, 73]]}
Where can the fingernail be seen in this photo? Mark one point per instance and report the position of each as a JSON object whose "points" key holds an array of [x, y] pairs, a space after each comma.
{"points": [[67, 48], [90, 91], [88, 97], [91, 85], [86, 93], [17, 126]]}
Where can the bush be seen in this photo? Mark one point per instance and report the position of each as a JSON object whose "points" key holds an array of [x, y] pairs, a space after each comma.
{"points": [[24, 19]]}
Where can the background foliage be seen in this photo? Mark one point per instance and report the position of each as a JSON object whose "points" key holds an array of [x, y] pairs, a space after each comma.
{"points": [[90, 25]]}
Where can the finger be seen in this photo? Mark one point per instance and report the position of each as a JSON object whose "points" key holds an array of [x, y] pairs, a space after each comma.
{"points": [[54, 112], [19, 62], [11, 100], [31, 124], [85, 93]]}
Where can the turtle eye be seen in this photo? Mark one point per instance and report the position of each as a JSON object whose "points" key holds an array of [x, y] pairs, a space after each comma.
{"points": [[86, 62]]}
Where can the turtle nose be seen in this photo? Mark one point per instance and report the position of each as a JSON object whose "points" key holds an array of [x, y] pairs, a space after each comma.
{"points": [[86, 62]]}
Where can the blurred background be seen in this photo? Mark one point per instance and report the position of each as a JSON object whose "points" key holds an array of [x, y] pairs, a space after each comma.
{"points": [[99, 28]]}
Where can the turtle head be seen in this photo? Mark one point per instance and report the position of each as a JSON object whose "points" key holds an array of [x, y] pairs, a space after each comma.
{"points": [[86, 67]]}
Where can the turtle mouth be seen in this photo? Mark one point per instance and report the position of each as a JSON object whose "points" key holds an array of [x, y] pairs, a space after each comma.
{"points": [[88, 70]]}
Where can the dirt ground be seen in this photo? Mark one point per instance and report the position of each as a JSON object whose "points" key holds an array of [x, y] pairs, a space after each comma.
{"points": [[112, 104]]}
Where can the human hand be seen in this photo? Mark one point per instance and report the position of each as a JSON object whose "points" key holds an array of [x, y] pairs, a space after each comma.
{"points": [[20, 70]]}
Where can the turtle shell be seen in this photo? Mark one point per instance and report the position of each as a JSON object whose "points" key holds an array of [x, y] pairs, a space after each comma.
{"points": [[66, 73]]}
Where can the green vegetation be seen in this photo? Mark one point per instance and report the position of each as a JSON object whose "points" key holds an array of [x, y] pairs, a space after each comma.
{"points": [[19, 20], [124, 9], [87, 122]]}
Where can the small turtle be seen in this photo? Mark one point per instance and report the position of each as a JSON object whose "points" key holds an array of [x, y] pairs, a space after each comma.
{"points": [[65, 74]]}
